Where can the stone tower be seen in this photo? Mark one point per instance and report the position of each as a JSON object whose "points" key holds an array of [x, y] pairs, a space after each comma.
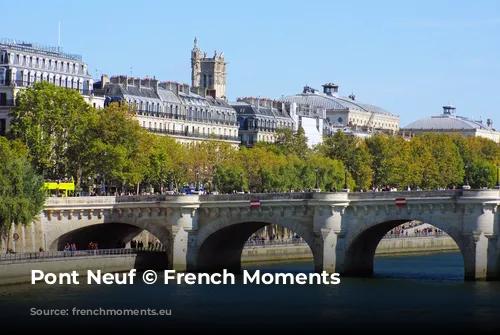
{"points": [[208, 73]]}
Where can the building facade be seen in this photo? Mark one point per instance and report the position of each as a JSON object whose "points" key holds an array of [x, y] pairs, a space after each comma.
{"points": [[174, 109], [259, 118], [22, 64], [449, 122], [208, 73], [346, 111]]}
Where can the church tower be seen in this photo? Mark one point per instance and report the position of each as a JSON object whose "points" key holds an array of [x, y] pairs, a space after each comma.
{"points": [[208, 73]]}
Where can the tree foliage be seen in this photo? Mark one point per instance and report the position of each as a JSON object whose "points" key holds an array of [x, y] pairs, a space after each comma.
{"points": [[21, 194], [64, 136], [49, 120]]}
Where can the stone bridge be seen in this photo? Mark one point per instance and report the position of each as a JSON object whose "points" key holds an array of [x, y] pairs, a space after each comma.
{"points": [[208, 232]]}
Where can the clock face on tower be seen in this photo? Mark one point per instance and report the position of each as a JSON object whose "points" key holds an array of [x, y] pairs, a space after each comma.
{"points": [[340, 120]]}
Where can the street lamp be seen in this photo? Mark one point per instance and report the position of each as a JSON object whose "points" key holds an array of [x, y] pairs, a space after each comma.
{"points": [[169, 181], [466, 185], [498, 176], [197, 179], [215, 179], [486, 173], [241, 181], [317, 181], [345, 180], [373, 180]]}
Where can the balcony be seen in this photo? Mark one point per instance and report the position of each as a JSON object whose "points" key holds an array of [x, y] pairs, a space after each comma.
{"points": [[9, 103], [194, 135]]}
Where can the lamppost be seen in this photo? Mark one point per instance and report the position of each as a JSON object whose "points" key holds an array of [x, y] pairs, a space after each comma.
{"points": [[346, 189], [498, 177], [466, 185], [197, 179], [241, 181], [373, 180], [215, 179], [169, 181], [317, 180], [486, 173]]}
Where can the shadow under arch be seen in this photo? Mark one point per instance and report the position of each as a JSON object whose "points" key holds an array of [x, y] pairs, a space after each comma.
{"points": [[221, 248], [108, 235], [360, 254]]}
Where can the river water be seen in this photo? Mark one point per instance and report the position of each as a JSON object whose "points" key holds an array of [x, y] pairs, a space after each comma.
{"points": [[408, 293]]}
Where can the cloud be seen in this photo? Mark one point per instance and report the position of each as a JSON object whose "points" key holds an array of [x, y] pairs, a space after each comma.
{"points": [[439, 23]]}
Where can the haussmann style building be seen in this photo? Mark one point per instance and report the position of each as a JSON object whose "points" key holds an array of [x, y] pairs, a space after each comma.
{"points": [[259, 119], [199, 112], [22, 64]]}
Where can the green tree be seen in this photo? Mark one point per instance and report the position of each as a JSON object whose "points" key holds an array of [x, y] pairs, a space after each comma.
{"points": [[353, 153], [21, 189], [116, 148], [290, 143], [49, 120]]}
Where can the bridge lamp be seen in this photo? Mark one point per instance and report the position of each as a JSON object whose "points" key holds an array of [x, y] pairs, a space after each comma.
{"points": [[345, 179], [486, 173], [317, 181], [498, 176], [197, 179], [466, 174], [241, 181], [214, 181], [169, 173], [373, 179]]}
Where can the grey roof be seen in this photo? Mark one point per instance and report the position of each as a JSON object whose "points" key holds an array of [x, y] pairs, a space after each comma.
{"points": [[166, 95], [445, 122], [249, 109], [112, 89], [330, 102]]}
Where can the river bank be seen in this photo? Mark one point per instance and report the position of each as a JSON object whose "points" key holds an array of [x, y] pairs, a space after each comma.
{"points": [[387, 246]]}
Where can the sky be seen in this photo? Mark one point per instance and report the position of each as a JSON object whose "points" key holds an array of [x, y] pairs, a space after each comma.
{"points": [[408, 57]]}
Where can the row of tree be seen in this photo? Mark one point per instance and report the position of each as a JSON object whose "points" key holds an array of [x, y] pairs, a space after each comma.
{"points": [[65, 137]]}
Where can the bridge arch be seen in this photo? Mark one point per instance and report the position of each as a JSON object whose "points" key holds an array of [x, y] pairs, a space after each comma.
{"points": [[107, 233], [220, 243], [361, 243]]}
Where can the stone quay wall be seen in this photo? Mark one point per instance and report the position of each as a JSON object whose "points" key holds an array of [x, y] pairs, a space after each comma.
{"points": [[388, 246]]}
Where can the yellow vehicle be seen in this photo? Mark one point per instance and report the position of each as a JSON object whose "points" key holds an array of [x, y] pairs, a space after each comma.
{"points": [[60, 188]]}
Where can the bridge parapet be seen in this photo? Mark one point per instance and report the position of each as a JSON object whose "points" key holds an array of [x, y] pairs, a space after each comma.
{"points": [[405, 194], [481, 194], [257, 196]]}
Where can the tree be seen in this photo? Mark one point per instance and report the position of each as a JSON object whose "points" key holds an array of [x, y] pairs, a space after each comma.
{"points": [[353, 153], [290, 143], [115, 148], [21, 190], [49, 120]]}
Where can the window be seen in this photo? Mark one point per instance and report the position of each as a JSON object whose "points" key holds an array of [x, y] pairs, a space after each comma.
{"points": [[3, 127], [340, 120], [3, 99]]}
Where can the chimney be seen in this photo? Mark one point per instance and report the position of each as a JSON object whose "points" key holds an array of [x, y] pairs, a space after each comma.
{"points": [[185, 89], [154, 84], [211, 92], [146, 82], [177, 88], [137, 83], [104, 80]]}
